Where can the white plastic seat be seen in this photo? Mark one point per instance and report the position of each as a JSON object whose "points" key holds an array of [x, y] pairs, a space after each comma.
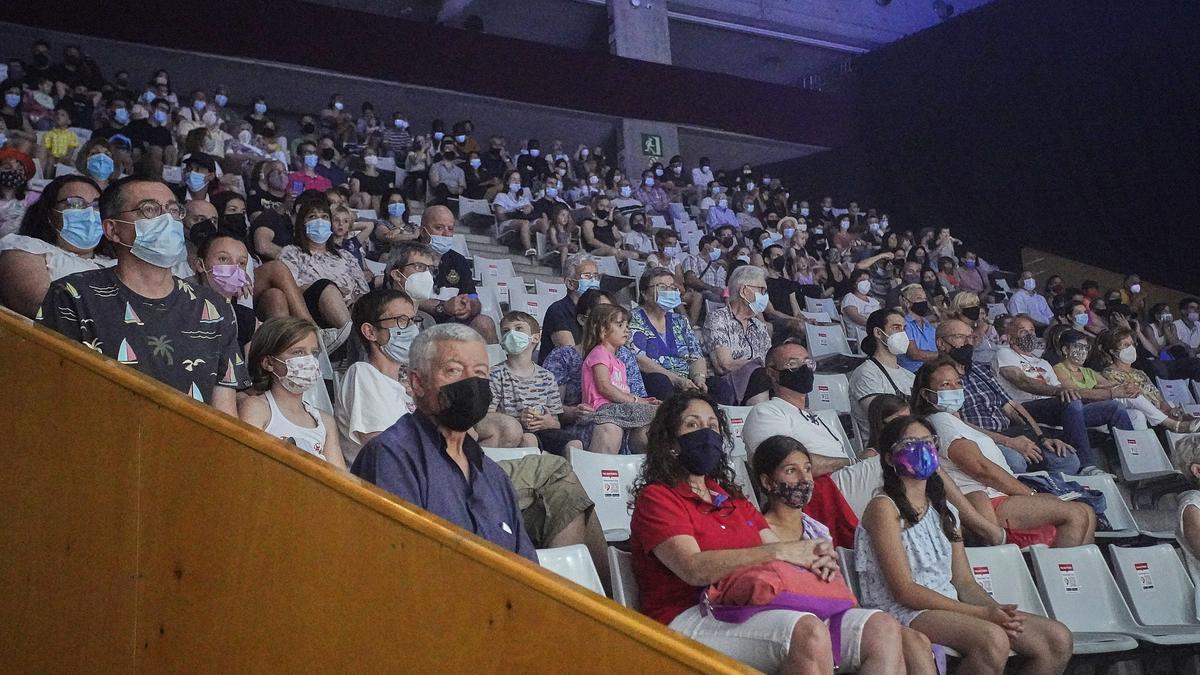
{"points": [[496, 268], [822, 305], [1079, 591], [506, 287], [826, 341], [607, 265], [1156, 586], [489, 304], [636, 268], [830, 392], [1002, 284], [1002, 572], [624, 584], [477, 206], [737, 419], [742, 473], [1177, 392], [496, 355], [375, 267], [607, 479], [818, 317], [459, 244], [509, 454], [658, 222], [996, 309], [534, 305], [1115, 509], [846, 561], [557, 291], [1142, 455], [572, 562]]}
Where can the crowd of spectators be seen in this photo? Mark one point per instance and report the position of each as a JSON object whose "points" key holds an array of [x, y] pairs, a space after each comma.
{"points": [[223, 251]]}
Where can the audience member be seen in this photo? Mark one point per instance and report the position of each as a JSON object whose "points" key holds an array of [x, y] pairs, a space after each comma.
{"points": [[561, 328], [453, 271], [1026, 301], [524, 390], [738, 340], [1116, 353], [667, 349], [885, 340], [605, 383], [922, 336]]}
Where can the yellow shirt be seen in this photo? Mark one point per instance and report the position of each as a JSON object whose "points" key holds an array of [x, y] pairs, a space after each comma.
{"points": [[60, 142]]}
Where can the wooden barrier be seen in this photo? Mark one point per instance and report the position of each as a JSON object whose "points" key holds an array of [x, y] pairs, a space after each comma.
{"points": [[1043, 264], [141, 531]]}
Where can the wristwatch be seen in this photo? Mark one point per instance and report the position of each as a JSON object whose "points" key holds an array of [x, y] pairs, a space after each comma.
{"points": [[440, 308]]}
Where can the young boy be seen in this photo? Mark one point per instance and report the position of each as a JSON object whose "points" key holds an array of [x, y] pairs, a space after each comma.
{"points": [[525, 390], [350, 235], [60, 141]]}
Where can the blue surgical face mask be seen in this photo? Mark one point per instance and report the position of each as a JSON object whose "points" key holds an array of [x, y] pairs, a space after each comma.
{"points": [[310, 160], [196, 181], [81, 228], [514, 187], [551, 192], [399, 341], [514, 342], [668, 300], [626, 190], [199, 105], [160, 116], [1081, 320], [789, 232], [475, 162], [318, 230], [13, 100], [121, 115], [221, 99], [586, 285], [440, 244], [759, 304], [714, 254], [950, 400], [723, 203], [100, 166], [158, 241], [461, 138], [396, 209], [260, 108]]}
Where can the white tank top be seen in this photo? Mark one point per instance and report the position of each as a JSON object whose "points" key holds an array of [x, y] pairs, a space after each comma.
{"points": [[310, 440]]}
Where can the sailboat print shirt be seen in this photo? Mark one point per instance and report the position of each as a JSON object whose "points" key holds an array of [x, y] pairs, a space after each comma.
{"points": [[187, 340]]}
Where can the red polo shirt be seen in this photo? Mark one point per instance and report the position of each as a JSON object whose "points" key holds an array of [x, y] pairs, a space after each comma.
{"points": [[662, 512]]}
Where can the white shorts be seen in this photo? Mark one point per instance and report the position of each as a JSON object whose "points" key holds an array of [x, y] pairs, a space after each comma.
{"points": [[763, 640]]}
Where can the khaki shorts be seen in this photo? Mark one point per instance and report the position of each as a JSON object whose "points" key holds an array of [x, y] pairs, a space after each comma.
{"points": [[548, 494]]}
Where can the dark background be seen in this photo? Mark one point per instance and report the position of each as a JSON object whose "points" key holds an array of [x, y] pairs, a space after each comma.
{"points": [[1070, 125]]}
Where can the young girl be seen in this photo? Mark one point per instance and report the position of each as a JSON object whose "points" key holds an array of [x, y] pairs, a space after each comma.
{"points": [[912, 565], [605, 388], [283, 365], [221, 265], [351, 236]]}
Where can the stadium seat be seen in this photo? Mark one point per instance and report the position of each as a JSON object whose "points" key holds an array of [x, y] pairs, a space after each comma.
{"points": [[1002, 572], [607, 265], [607, 479], [496, 355], [996, 309], [737, 419], [819, 317], [1177, 392], [489, 304], [846, 562], [556, 291], [1142, 456], [830, 392], [825, 305], [572, 562], [505, 288], [459, 244], [509, 454], [1156, 586], [1116, 511], [636, 268], [826, 341], [534, 305], [742, 473], [478, 207], [834, 422], [624, 584], [658, 223], [496, 268]]}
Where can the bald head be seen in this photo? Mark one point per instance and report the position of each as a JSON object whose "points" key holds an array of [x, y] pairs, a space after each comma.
{"points": [[438, 220]]}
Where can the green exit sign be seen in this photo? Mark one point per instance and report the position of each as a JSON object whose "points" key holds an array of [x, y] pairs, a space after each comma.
{"points": [[652, 145]]}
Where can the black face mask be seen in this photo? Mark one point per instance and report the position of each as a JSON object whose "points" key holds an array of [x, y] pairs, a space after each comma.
{"points": [[971, 313], [235, 224], [962, 355], [602, 214], [309, 129], [799, 380], [699, 451], [328, 154], [920, 308], [464, 403], [638, 227], [779, 263], [41, 60], [202, 230], [449, 156], [727, 242]]}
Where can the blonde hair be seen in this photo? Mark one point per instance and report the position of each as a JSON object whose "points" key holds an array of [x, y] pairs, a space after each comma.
{"points": [[961, 299], [342, 210], [271, 338], [600, 318]]}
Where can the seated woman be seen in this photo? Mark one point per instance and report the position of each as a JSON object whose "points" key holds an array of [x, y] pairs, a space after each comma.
{"points": [[95, 160], [858, 304], [605, 383], [600, 234], [1116, 352], [1170, 357], [783, 471], [59, 235], [393, 226], [977, 466], [738, 340], [668, 351], [368, 184], [16, 170], [221, 261], [330, 277], [514, 214], [912, 565], [283, 365], [965, 307], [692, 526]]}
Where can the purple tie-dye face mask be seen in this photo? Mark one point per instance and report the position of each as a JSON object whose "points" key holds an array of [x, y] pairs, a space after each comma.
{"points": [[915, 458]]}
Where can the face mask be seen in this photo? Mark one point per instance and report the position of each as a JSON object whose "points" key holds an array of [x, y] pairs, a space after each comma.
{"points": [[1128, 354], [844, 225], [244, 137], [396, 209], [121, 115], [1135, 288], [668, 300], [1078, 354], [160, 116], [658, 172], [626, 190], [1193, 316], [804, 211], [1080, 320], [234, 223], [897, 343], [475, 162], [202, 230], [227, 279], [744, 258], [158, 241], [794, 496], [301, 374], [750, 186], [723, 203], [150, 96], [788, 232], [318, 230], [551, 192], [797, 379], [649, 182], [419, 286], [100, 166], [778, 263], [714, 254], [464, 403], [972, 313], [1029, 285], [514, 187], [671, 251], [916, 459], [81, 228], [760, 302], [700, 451], [950, 400], [586, 285], [221, 99], [920, 308], [310, 160], [874, 227], [534, 152], [449, 156], [749, 208], [399, 341], [705, 168], [514, 342], [195, 180], [461, 138], [1166, 318], [12, 100], [199, 105], [338, 105], [863, 286], [1026, 343], [819, 230], [962, 355], [440, 244], [260, 108]]}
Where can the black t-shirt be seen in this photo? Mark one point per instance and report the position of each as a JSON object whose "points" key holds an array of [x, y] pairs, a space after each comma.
{"points": [[543, 207], [560, 316], [476, 179], [492, 163], [781, 291], [282, 233], [374, 185], [12, 122], [605, 234], [532, 167], [263, 201], [454, 271], [108, 131], [142, 133], [246, 323]]}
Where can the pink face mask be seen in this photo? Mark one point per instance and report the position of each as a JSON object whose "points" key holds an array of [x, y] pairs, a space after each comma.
{"points": [[228, 280]]}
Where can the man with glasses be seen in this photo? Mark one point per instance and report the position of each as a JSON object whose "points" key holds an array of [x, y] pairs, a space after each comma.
{"points": [[139, 313], [560, 327], [452, 271]]}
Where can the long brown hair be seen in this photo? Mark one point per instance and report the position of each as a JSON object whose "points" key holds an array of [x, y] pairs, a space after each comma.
{"points": [[662, 465], [893, 487], [271, 338], [600, 318]]}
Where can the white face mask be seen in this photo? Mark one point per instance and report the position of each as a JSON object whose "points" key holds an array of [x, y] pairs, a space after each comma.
{"points": [[419, 286], [300, 373], [897, 343], [863, 286], [1128, 354], [1029, 285]]}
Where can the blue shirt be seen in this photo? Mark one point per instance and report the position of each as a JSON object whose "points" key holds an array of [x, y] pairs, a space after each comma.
{"points": [[409, 460], [923, 335]]}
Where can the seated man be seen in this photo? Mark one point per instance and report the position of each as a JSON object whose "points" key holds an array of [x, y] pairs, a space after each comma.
{"points": [[922, 337], [453, 271], [1027, 301], [1031, 380], [560, 327], [185, 336], [791, 371]]}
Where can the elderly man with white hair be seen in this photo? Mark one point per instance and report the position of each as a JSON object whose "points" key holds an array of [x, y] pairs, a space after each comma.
{"points": [[737, 340], [561, 328]]}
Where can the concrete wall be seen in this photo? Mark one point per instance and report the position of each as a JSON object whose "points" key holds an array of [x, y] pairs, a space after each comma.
{"points": [[640, 32]]}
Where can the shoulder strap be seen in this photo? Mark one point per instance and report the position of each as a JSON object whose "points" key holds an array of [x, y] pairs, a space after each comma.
{"points": [[892, 382]]}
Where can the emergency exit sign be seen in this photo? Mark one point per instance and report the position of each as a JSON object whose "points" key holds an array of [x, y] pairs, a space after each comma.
{"points": [[652, 145]]}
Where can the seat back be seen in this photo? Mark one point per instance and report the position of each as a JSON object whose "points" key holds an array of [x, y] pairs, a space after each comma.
{"points": [[1078, 589], [636, 268], [1142, 455], [1002, 572], [996, 309], [476, 206], [489, 303], [1116, 511], [819, 317], [1177, 392], [607, 264], [624, 585], [826, 305], [494, 268], [826, 341], [511, 290], [741, 471], [1155, 584], [830, 392], [459, 244], [572, 562], [658, 222], [607, 479], [834, 422], [556, 291], [737, 419], [534, 305], [509, 454], [846, 561]]}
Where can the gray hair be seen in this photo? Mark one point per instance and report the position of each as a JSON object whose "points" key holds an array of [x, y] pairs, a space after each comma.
{"points": [[746, 274], [420, 354], [1185, 454], [403, 254], [571, 266]]}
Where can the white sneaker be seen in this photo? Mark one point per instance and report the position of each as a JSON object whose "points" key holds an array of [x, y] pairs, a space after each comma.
{"points": [[333, 338], [1092, 471]]}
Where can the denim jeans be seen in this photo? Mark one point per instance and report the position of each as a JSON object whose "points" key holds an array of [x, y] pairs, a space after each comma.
{"points": [[1069, 464], [1075, 417]]}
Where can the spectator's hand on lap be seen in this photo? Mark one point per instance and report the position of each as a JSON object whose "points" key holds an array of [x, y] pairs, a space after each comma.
{"points": [[1130, 390], [1026, 447], [1068, 394], [1057, 447]]}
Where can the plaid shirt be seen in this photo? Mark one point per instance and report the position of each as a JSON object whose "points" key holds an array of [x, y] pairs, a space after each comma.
{"points": [[985, 400]]}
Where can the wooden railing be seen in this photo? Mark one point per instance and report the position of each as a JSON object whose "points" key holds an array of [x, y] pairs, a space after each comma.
{"points": [[141, 531], [1043, 264]]}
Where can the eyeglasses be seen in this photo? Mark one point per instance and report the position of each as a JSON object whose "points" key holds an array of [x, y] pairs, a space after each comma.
{"points": [[932, 439], [796, 363], [589, 275], [152, 209], [77, 203], [419, 267], [400, 321], [959, 340], [664, 288]]}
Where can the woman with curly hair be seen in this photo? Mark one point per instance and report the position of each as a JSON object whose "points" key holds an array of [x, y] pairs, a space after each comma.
{"points": [[692, 526]]}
